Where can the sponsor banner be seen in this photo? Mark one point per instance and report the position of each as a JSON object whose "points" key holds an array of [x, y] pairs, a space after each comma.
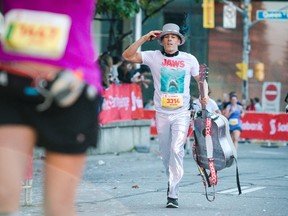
{"points": [[229, 16], [261, 126], [123, 102], [265, 126]]}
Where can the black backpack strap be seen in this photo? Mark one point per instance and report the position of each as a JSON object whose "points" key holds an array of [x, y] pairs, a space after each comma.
{"points": [[237, 178]]}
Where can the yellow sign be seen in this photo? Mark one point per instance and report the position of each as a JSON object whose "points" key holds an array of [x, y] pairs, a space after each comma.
{"points": [[208, 14]]}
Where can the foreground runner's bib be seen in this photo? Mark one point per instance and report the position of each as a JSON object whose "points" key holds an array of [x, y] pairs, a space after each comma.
{"points": [[37, 34], [171, 101]]}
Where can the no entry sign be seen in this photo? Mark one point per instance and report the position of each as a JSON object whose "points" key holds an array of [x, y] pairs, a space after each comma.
{"points": [[271, 96], [271, 92]]}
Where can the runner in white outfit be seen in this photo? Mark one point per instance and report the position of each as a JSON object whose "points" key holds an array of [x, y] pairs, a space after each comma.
{"points": [[210, 107], [171, 71]]}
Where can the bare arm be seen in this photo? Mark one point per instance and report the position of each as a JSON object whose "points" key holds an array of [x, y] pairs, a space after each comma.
{"points": [[218, 111], [131, 54]]}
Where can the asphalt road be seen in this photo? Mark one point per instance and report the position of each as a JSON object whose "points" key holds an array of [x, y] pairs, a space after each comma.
{"points": [[133, 183]]}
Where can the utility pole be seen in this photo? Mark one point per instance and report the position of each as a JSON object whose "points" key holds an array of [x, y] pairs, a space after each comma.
{"points": [[247, 24], [246, 47]]}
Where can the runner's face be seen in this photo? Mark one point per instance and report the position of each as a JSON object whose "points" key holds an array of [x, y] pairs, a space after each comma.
{"points": [[171, 43], [234, 100]]}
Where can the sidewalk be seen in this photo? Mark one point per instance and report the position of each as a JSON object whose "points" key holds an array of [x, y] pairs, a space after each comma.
{"points": [[135, 184]]}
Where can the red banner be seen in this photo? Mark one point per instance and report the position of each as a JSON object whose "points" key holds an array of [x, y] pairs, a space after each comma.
{"points": [[262, 126], [123, 102], [265, 126]]}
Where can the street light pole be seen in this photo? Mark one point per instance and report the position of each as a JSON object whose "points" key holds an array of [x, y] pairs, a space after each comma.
{"points": [[246, 47]]}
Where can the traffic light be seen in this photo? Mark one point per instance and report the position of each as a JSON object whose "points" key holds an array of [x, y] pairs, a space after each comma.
{"points": [[259, 73], [208, 14], [250, 12], [242, 70]]}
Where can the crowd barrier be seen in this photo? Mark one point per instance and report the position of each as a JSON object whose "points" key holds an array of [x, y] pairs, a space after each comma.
{"points": [[124, 102], [260, 126]]}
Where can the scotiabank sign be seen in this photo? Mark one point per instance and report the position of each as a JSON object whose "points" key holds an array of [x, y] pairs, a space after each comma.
{"points": [[261, 126], [265, 126], [123, 102]]}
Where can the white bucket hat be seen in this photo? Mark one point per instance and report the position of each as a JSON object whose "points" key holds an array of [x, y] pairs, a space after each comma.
{"points": [[171, 28]]}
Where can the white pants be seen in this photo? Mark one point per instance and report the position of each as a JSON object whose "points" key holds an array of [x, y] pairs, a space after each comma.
{"points": [[172, 133]]}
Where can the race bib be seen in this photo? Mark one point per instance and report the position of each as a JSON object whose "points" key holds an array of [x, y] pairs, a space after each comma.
{"points": [[36, 33], [171, 101], [233, 121]]}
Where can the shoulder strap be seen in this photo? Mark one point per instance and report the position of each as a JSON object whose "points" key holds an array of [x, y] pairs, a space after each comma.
{"points": [[237, 178]]}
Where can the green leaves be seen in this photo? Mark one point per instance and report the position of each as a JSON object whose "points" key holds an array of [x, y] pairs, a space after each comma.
{"points": [[117, 8]]}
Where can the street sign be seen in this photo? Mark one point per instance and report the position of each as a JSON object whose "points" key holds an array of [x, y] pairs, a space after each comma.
{"points": [[271, 96], [271, 92], [229, 16], [271, 15]]}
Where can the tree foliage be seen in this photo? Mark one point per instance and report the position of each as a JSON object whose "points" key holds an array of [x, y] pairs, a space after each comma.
{"points": [[115, 11]]}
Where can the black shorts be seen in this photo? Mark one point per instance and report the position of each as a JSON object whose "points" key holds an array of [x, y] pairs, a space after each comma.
{"points": [[68, 130]]}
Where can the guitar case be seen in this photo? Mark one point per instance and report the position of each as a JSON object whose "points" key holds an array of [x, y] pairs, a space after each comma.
{"points": [[213, 148], [224, 152]]}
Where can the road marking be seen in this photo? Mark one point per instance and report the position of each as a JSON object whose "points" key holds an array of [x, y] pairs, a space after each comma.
{"points": [[270, 153], [244, 189]]}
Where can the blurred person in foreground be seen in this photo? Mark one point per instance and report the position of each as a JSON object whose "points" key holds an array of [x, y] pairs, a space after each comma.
{"points": [[171, 71], [48, 97]]}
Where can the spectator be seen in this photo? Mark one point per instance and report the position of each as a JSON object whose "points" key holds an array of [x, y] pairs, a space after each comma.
{"points": [[124, 72], [127, 74], [251, 106], [219, 103], [244, 104], [258, 106], [117, 61], [140, 75], [211, 106], [106, 62]]}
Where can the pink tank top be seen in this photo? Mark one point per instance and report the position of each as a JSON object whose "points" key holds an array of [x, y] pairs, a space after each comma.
{"points": [[79, 52]]}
